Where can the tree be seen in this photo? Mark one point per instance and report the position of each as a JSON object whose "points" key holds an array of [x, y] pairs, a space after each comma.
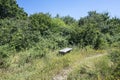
{"points": [[10, 9], [40, 22], [98, 19], [69, 20], [96, 28]]}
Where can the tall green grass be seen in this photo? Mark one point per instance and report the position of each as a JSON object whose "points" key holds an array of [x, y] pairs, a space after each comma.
{"points": [[92, 69], [27, 66]]}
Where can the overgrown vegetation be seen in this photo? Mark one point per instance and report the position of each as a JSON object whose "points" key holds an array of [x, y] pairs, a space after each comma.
{"points": [[26, 39], [103, 68]]}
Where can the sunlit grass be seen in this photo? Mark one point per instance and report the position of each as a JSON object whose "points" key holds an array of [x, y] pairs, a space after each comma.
{"points": [[22, 68], [91, 69]]}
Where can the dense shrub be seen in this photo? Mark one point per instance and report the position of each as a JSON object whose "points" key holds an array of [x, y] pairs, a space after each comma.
{"points": [[115, 58], [39, 23], [15, 33], [41, 32], [10, 9], [3, 57]]}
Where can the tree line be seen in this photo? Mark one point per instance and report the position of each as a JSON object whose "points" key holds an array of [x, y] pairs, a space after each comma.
{"points": [[19, 31]]}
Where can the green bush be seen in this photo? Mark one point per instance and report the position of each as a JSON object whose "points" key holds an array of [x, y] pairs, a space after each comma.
{"points": [[3, 57], [39, 23], [115, 58], [10, 9], [15, 33]]}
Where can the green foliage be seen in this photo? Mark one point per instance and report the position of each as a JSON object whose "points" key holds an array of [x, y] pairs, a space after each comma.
{"points": [[75, 36], [115, 58], [113, 26], [96, 30], [4, 55], [97, 69], [100, 29], [57, 22], [4, 31], [15, 33], [116, 44], [99, 19], [39, 23], [88, 36], [69, 20], [101, 42], [61, 41], [41, 49], [116, 72], [10, 9]]}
